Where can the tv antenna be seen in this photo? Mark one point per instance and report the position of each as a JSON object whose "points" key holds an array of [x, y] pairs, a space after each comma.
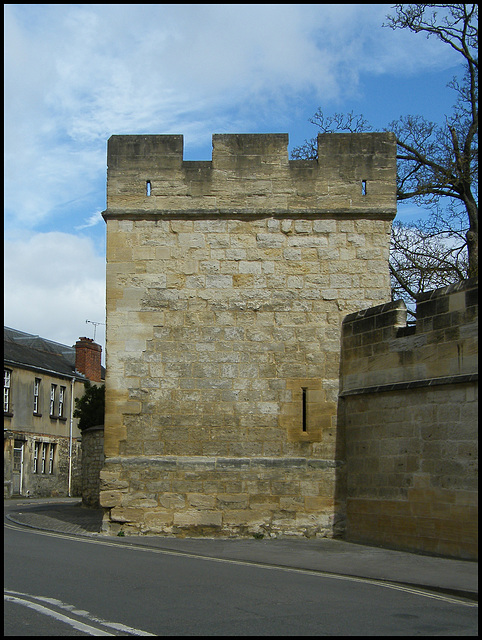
{"points": [[96, 324]]}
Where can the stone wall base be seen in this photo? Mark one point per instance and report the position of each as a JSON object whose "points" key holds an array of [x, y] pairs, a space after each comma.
{"points": [[225, 497]]}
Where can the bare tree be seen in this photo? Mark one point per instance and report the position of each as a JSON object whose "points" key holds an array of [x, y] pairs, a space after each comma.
{"points": [[437, 164], [421, 260]]}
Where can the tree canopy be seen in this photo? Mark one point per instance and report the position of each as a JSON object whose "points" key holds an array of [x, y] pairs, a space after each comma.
{"points": [[90, 407]]}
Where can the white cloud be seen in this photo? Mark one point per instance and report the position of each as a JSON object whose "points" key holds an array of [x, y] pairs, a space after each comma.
{"points": [[75, 74], [54, 282]]}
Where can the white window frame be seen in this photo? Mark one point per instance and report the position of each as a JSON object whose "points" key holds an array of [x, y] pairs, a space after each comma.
{"points": [[36, 450], [61, 401], [36, 394], [44, 456], [51, 458], [53, 393], [7, 381]]}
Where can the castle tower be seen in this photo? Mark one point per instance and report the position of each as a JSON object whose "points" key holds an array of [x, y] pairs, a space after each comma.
{"points": [[227, 284]]}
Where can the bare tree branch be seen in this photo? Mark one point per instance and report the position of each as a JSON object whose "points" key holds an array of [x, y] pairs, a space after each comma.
{"points": [[437, 165]]}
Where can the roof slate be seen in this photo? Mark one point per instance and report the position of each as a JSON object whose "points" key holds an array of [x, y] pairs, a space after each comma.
{"points": [[26, 350]]}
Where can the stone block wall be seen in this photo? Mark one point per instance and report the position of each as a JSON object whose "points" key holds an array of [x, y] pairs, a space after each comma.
{"points": [[214, 495], [227, 283], [92, 463], [409, 403]]}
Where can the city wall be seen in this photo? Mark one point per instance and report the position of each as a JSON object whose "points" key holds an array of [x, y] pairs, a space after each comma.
{"points": [[92, 463], [409, 404], [227, 283]]}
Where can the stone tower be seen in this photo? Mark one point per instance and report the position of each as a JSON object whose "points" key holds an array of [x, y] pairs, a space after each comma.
{"points": [[227, 284]]}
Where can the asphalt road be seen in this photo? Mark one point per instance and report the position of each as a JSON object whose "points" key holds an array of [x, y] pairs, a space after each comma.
{"points": [[60, 585]]}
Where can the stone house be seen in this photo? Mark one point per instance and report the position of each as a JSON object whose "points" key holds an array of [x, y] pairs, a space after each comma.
{"points": [[41, 439]]}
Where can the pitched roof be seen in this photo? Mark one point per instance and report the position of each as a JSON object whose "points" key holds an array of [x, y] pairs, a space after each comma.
{"points": [[33, 352]]}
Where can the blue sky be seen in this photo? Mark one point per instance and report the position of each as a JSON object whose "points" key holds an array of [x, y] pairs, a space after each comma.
{"points": [[77, 74]]}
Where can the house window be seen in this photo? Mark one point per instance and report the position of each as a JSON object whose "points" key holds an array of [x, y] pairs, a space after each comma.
{"points": [[36, 394], [61, 402], [53, 393], [36, 452], [44, 456], [7, 375], [51, 458]]}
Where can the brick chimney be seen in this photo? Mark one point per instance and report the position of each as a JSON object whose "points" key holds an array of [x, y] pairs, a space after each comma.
{"points": [[87, 359]]}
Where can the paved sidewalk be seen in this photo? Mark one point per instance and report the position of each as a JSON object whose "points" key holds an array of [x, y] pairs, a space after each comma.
{"points": [[456, 577]]}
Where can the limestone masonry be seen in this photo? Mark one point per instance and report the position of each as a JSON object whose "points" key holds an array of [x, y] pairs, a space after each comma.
{"points": [[410, 409], [227, 284]]}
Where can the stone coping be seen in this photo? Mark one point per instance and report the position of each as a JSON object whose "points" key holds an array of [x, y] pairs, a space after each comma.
{"points": [[199, 213], [218, 463], [412, 384]]}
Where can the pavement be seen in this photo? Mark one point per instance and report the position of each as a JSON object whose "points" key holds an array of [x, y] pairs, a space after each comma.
{"points": [[436, 574]]}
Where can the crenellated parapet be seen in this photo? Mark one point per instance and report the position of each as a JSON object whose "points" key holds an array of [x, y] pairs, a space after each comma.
{"points": [[251, 174], [380, 352]]}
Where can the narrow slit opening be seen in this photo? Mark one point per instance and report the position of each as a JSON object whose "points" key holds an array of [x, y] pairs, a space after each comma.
{"points": [[304, 407], [363, 187], [148, 188]]}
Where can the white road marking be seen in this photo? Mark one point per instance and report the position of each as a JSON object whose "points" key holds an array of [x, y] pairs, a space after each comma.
{"points": [[58, 616], [20, 598]]}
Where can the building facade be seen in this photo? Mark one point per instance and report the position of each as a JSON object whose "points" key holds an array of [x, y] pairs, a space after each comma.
{"points": [[227, 284], [41, 439]]}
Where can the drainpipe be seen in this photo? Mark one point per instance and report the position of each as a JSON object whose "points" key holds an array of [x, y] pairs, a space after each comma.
{"points": [[70, 432]]}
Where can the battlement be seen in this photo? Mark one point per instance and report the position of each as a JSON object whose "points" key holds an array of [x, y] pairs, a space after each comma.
{"points": [[251, 174], [380, 351]]}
